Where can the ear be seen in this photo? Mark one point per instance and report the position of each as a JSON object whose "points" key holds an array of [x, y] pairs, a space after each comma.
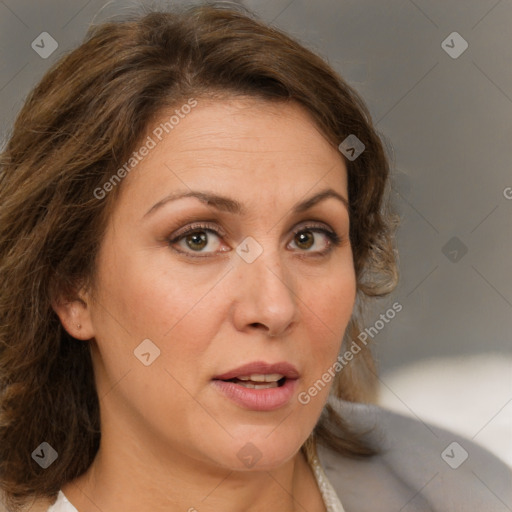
{"points": [[75, 315]]}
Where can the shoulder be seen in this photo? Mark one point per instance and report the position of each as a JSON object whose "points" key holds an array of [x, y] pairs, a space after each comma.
{"points": [[419, 466]]}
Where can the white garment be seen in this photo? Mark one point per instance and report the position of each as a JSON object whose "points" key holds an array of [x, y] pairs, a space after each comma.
{"points": [[331, 500], [62, 504]]}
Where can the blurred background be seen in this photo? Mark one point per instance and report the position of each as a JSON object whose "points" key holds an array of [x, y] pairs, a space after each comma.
{"points": [[437, 78]]}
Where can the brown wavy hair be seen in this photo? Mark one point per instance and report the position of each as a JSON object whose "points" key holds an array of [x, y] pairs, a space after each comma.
{"points": [[77, 126]]}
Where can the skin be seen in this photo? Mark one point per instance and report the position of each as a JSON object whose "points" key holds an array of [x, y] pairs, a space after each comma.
{"points": [[169, 438]]}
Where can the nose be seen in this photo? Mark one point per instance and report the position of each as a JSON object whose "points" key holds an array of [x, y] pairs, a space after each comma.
{"points": [[266, 297]]}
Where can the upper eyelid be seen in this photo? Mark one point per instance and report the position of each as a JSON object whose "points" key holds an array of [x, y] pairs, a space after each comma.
{"points": [[213, 227], [197, 226]]}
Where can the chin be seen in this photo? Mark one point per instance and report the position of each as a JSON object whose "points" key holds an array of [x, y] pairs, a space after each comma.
{"points": [[255, 450]]}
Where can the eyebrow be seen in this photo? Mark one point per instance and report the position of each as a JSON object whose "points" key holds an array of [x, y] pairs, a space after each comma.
{"points": [[226, 204]]}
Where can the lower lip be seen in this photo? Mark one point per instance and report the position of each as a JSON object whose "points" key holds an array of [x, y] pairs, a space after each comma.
{"points": [[267, 399]]}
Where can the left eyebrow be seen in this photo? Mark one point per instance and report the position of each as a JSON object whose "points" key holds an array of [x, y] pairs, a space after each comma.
{"points": [[227, 204]]}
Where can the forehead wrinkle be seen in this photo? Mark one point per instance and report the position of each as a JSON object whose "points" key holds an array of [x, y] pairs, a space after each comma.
{"points": [[201, 142]]}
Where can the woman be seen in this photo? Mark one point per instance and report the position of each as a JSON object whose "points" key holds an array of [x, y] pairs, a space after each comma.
{"points": [[192, 204]]}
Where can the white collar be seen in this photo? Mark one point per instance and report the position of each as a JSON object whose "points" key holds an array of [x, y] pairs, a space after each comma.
{"points": [[331, 499]]}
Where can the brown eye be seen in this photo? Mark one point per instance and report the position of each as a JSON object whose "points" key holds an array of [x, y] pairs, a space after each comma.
{"points": [[197, 240], [305, 239]]}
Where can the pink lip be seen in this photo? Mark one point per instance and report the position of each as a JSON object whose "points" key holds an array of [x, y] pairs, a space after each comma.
{"points": [[260, 367], [259, 399]]}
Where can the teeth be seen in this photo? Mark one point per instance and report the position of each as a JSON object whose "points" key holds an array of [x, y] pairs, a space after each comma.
{"points": [[273, 377], [258, 386]]}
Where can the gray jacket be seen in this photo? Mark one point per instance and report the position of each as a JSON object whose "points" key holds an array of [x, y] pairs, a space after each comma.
{"points": [[420, 468]]}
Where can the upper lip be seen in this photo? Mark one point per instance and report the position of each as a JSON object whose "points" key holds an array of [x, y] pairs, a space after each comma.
{"points": [[262, 368]]}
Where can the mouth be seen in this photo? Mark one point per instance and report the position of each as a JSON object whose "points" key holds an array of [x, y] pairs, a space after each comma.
{"points": [[259, 381], [259, 386], [260, 371]]}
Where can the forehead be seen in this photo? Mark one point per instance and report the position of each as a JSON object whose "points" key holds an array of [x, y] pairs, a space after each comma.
{"points": [[250, 125], [249, 146]]}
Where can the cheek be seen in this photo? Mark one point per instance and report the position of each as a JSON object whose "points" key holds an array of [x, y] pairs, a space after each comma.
{"points": [[331, 300], [150, 301], [326, 314], [155, 301], [149, 297]]}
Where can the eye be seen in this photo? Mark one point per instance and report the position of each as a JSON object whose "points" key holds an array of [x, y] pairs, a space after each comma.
{"points": [[307, 237], [196, 238]]}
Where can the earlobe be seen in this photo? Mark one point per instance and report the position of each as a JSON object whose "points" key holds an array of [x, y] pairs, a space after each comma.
{"points": [[75, 317]]}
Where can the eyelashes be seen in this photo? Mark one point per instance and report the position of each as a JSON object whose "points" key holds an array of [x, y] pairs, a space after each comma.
{"points": [[199, 236]]}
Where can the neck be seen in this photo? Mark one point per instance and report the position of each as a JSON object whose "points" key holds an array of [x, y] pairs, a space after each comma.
{"points": [[127, 475]]}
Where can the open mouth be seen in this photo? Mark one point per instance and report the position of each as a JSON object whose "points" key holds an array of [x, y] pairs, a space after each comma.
{"points": [[259, 386], [258, 392], [253, 384]]}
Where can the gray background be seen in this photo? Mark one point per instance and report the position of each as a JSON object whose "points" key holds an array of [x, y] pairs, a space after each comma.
{"points": [[447, 121]]}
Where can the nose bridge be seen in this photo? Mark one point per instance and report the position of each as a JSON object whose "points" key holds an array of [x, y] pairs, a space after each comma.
{"points": [[266, 289]]}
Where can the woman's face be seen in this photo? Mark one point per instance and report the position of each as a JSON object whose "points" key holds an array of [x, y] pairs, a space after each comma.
{"points": [[242, 270]]}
